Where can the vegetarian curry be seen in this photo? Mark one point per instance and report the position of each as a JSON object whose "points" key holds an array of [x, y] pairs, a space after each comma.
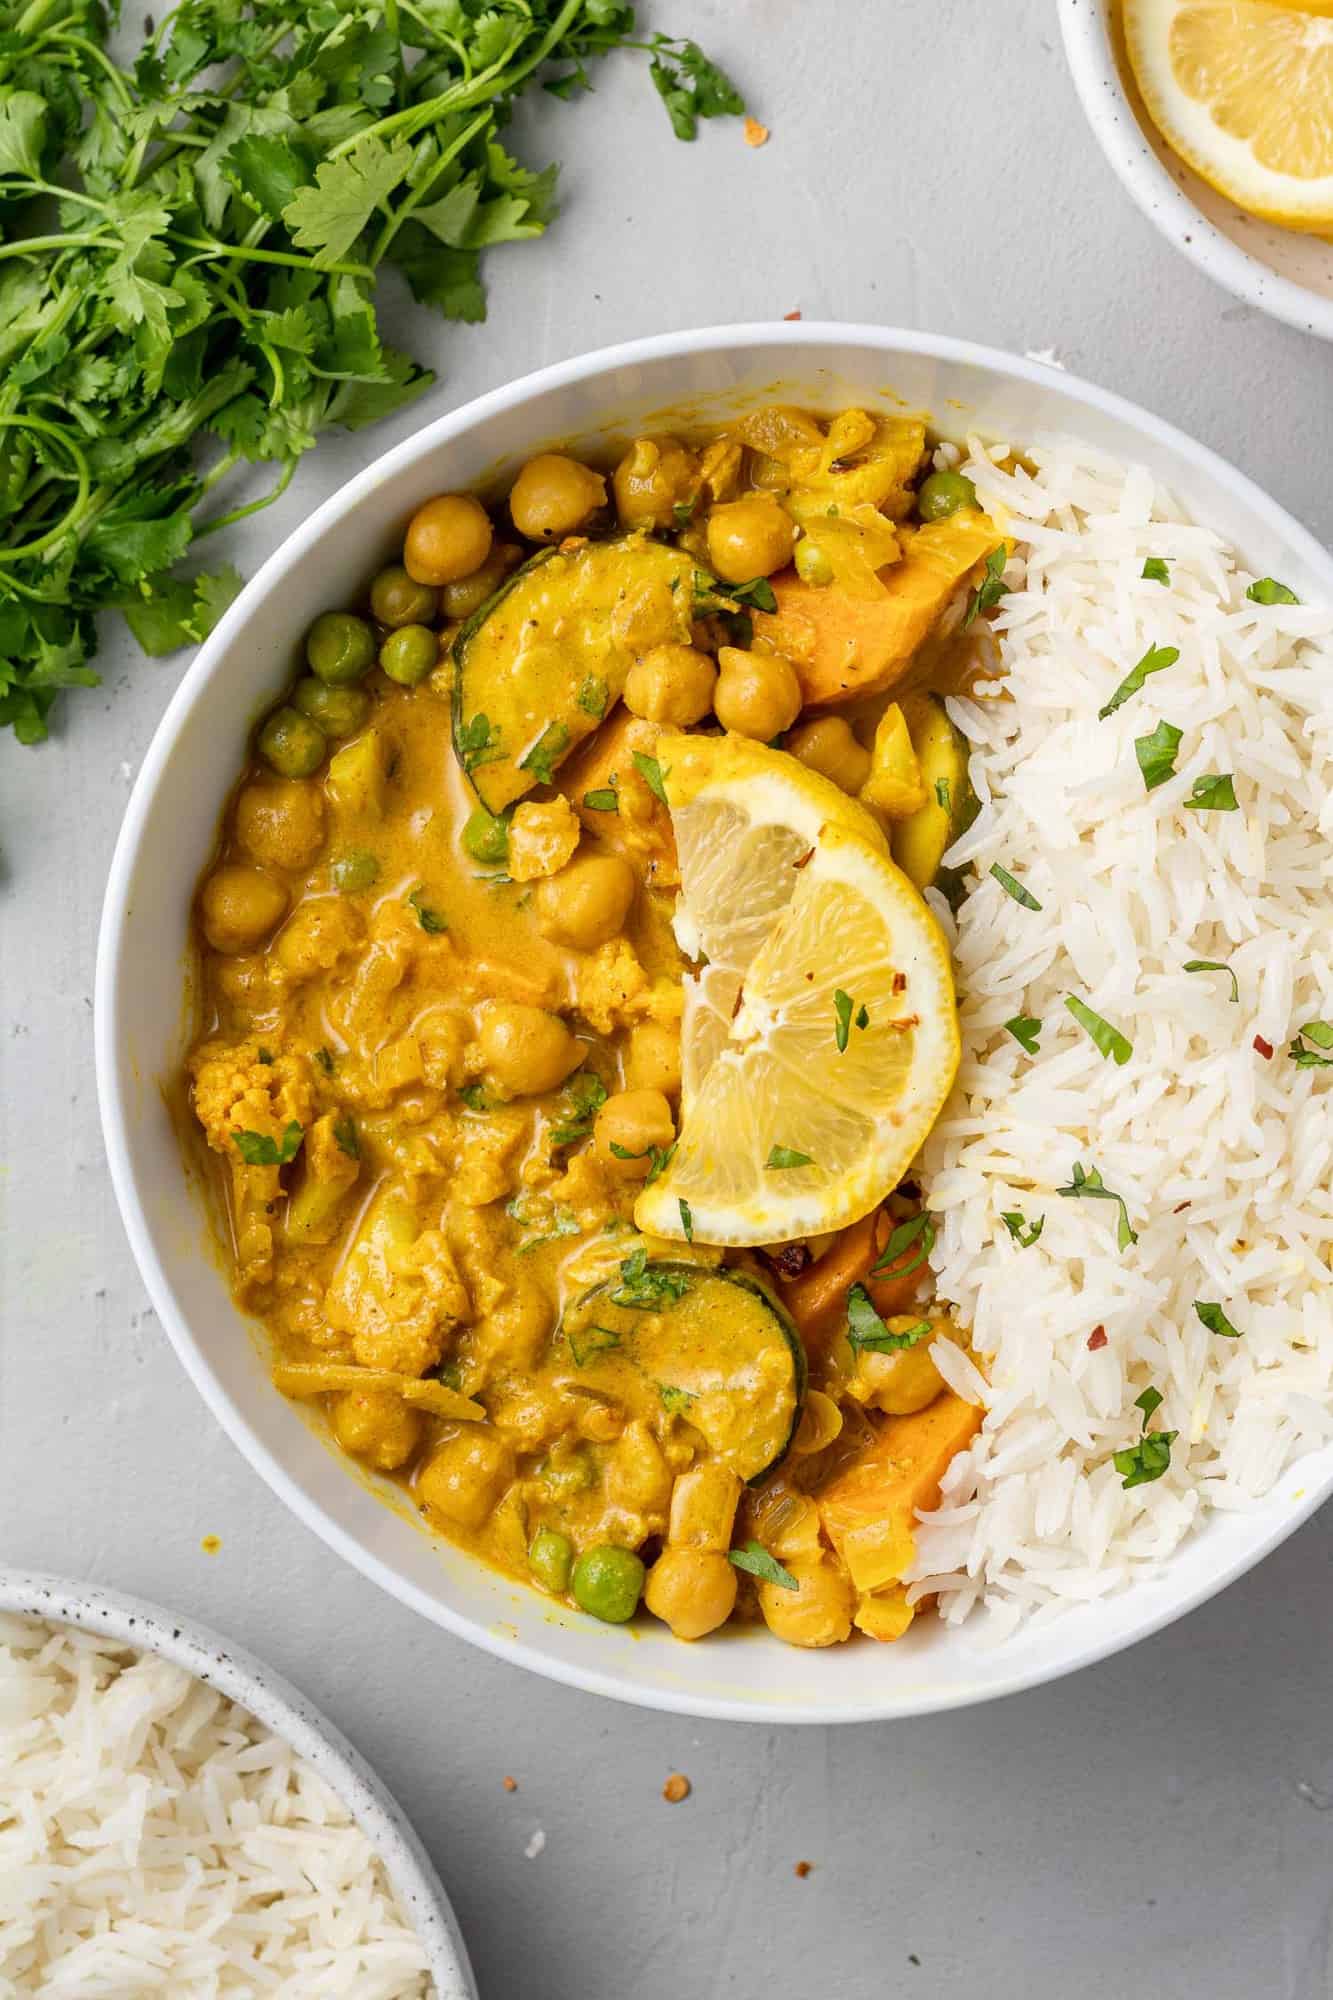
{"points": [[464, 1002]]}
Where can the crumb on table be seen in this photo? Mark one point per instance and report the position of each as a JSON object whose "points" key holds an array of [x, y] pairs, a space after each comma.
{"points": [[211, 1544], [676, 1788], [510, 1784], [755, 133], [802, 1869]]}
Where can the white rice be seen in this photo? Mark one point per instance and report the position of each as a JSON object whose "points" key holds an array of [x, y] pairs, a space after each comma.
{"points": [[1223, 1157], [156, 1839]]}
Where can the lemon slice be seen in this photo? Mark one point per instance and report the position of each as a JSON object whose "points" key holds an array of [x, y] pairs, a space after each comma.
{"points": [[1243, 91], [788, 892]]}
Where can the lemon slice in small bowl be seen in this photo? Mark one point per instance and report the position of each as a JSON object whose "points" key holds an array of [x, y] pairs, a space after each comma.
{"points": [[1242, 90], [822, 1036]]}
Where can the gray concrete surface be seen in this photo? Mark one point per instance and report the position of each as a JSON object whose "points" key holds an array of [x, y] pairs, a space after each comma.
{"points": [[1158, 1824]]}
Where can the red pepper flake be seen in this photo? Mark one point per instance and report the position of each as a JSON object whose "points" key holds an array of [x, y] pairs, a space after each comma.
{"points": [[795, 315], [900, 982], [1096, 1339], [1180, 1208], [510, 1784], [676, 1788], [802, 1869], [1265, 1048], [805, 859]]}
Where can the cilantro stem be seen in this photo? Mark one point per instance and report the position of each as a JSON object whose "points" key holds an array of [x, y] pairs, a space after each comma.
{"points": [[25, 245], [414, 200], [252, 507], [103, 61], [236, 252], [83, 473]]}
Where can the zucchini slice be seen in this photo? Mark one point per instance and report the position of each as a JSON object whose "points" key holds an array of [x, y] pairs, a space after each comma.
{"points": [[919, 842], [712, 1347], [537, 668]]}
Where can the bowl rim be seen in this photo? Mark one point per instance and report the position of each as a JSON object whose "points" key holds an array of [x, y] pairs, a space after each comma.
{"points": [[1084, 26], [282, 1708], [115, 1077]]}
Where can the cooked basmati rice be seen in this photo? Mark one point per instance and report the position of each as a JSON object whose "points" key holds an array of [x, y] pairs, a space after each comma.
{"points": [[156, 1839], [1222, 1157]]}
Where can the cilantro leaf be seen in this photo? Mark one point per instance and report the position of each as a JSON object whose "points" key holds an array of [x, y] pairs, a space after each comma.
{"points": [[1215, 965], [1157, 754], [755, 1560], [918, 1230], [1089, 1184], [1155, 661], [257, 1149], [787, 1156], [1214, 793], [1267, 590], [652, 774], [991, 588], [328, 217], [1013, 887], [1216, 1320], [583, 1097], [1114, 1046], [1023, 1233], [867, 1333], [1025, 1030], [1155, 570]]}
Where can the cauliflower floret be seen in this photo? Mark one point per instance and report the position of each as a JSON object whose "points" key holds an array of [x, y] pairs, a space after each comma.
{"points": [[397, 1291], [610, 984], [488, 1158], [542, 837], [316, 936], [234, 1089]]}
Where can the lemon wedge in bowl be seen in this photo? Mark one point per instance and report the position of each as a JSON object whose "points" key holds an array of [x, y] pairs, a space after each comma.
{"points": [[1242, 90], [821, 1036]]}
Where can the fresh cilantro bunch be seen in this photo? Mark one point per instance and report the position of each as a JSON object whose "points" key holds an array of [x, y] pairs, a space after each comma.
{"points": [[188, 256]]}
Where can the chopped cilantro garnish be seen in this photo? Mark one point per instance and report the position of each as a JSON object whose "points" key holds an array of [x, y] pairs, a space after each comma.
{"points": [[942, 793], [257, 1149], [1147, 1460], [676, 1402], [1267, 590], [345, 1132], [1013, 887], [1157, 754], [1024, 1233], [845, 1012], [546, 753], [867, 1332], [429, 919], [475, 1097], [919, 1230], [1216, 1320], [593, 695], [652, 774], [1089, 1184], [583, 1097], [1113, 1045], [648, 1288], [590, 1340], [756, 1561], [787, 1156], [686, 1219], [478, 743], [1154, 661], [1155, 570], [1213, 793], [1025, 1030], [991, 588], [1215, 965], [324, 1057], [1320, 1033], [605, 799]]}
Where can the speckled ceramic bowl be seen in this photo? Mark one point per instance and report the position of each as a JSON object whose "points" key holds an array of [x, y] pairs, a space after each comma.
{"points": [[283, 1709], [1281, 271]]}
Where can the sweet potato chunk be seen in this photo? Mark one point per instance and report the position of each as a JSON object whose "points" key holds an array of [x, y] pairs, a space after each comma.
{"points": [[843, 646], [639, 826], [817, 1299], [869, 1510]]}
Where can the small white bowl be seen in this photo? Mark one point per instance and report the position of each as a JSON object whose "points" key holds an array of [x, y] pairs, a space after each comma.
{"points": [[141, 1026], [282, 1708], [1281, 271]]}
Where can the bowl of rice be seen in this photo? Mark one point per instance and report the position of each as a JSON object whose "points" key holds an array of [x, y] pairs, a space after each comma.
{"points": [[1135, 1226], [175, 1818]]}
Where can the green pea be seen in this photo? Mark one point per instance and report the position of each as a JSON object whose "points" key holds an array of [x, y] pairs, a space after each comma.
{"points": [[396, 599], [607, 1582], [292, 744], [812, 564], [354, 871], [943, 494], [340, 648], [409, 654], [550, 1555], [485, 836], [339, 711]]}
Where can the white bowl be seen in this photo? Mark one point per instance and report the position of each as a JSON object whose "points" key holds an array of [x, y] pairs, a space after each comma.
{"points": [[1281, 271], [167, 837], [281, 1708]]}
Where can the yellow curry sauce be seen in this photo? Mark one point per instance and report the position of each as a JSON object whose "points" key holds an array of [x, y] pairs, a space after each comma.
{"points": [[442, 1004]]}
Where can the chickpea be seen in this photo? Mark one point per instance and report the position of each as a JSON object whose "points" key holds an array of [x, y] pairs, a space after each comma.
{"points": [[461, 599], [240, 907], [637, 1476], [897, 1383], [828, 746], [526, 1050], [757, 694], [555, 496], [587, 902], [466, 1475], [652, 1059], [398, 599], [671, 684], [691, 1590], [818, 1612], [446, 540], [376, 1424], [637, 1122], [655, 476], [281, 825], [750, 537]]}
